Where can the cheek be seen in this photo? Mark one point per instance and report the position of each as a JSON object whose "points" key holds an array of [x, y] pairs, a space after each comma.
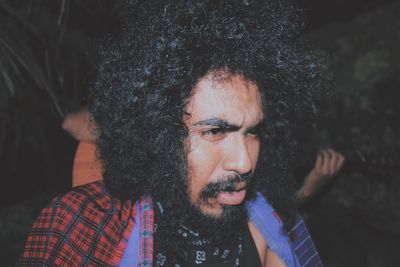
{"points": [[203, 161], [254, 151]]}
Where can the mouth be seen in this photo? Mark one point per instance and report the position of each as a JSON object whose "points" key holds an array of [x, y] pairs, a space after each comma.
{"points": [[227, 191], [232, 197]]}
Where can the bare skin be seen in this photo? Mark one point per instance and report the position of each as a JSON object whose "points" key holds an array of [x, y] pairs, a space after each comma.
{"points": [[328, 163], [79, 126], [223, 116], [267, 257], [222, 143]]}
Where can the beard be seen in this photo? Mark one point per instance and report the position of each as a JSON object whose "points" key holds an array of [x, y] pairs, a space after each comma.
{"points": [[175, 210], [231, 222]]}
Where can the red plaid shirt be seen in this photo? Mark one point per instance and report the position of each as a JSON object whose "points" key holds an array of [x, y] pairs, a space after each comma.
{"points": [[86, 227]]}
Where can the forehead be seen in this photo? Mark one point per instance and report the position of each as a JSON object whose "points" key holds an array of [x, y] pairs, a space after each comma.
{"points": [[232, 98]]}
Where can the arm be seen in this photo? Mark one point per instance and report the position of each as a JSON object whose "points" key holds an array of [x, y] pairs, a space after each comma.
{"points": [[80, 126], [327, 164]]}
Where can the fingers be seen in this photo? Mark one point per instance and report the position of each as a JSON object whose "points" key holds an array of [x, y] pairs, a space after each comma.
{"points": [[319, 162], [333, 161], [340, 162], [328, 162], [327, 156]]}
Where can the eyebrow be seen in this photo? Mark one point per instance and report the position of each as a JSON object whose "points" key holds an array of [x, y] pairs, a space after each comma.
{"points": [[255, 128], [225, 125], [220, 123]]}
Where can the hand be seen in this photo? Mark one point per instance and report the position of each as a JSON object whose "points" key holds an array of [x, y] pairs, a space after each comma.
{"points": [[328, 163]]}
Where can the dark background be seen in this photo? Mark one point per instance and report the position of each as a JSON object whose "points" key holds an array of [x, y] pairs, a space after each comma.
{"points": [[45, 65]]}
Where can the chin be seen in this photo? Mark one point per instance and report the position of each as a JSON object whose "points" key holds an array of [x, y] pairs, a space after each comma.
{"points": [[215, 213]]}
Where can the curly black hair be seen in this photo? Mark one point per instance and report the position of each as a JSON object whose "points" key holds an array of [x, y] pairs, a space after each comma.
{"points": [[147, 74]]}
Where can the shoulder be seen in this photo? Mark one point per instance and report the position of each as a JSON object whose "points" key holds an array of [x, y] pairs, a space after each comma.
{"points": [[91, 198], [76, 222], [289, 247]]}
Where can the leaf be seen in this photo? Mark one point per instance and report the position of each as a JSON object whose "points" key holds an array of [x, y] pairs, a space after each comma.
{"points": [[20, 23], [33, 69], [3, 131], [62, 19], [9, 86]]}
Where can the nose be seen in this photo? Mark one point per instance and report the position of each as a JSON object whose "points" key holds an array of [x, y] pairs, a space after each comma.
{"points": [[237, 156]]}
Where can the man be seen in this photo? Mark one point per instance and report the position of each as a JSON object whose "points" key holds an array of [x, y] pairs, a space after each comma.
{"points": [[195, 104]]}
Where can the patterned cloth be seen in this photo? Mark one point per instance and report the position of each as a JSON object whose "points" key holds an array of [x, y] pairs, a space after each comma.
{"points": [[195, 249], [88, 227], [299, 251]]}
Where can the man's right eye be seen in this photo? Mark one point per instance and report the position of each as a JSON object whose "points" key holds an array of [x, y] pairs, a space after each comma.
{"points": [[214, 131], [213, 134]]}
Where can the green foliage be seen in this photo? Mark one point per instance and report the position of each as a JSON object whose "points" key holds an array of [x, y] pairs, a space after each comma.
{"points": [[44, 64]]}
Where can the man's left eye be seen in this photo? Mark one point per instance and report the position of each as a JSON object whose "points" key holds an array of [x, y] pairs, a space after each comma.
{"points": [[254, 132]]}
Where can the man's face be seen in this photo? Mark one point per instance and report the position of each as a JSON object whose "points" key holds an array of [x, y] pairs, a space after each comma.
{"points": [[223, 148]]}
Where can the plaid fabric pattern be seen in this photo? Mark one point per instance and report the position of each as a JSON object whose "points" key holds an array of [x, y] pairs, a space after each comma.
{"points": [[86, 227], [146, 232]]}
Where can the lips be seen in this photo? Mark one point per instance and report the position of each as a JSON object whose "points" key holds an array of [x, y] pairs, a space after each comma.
{"points": [[234, 197], [228, 191]]}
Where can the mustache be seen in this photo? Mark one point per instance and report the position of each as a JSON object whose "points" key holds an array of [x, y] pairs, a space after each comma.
{"points": [[227, 184]]}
